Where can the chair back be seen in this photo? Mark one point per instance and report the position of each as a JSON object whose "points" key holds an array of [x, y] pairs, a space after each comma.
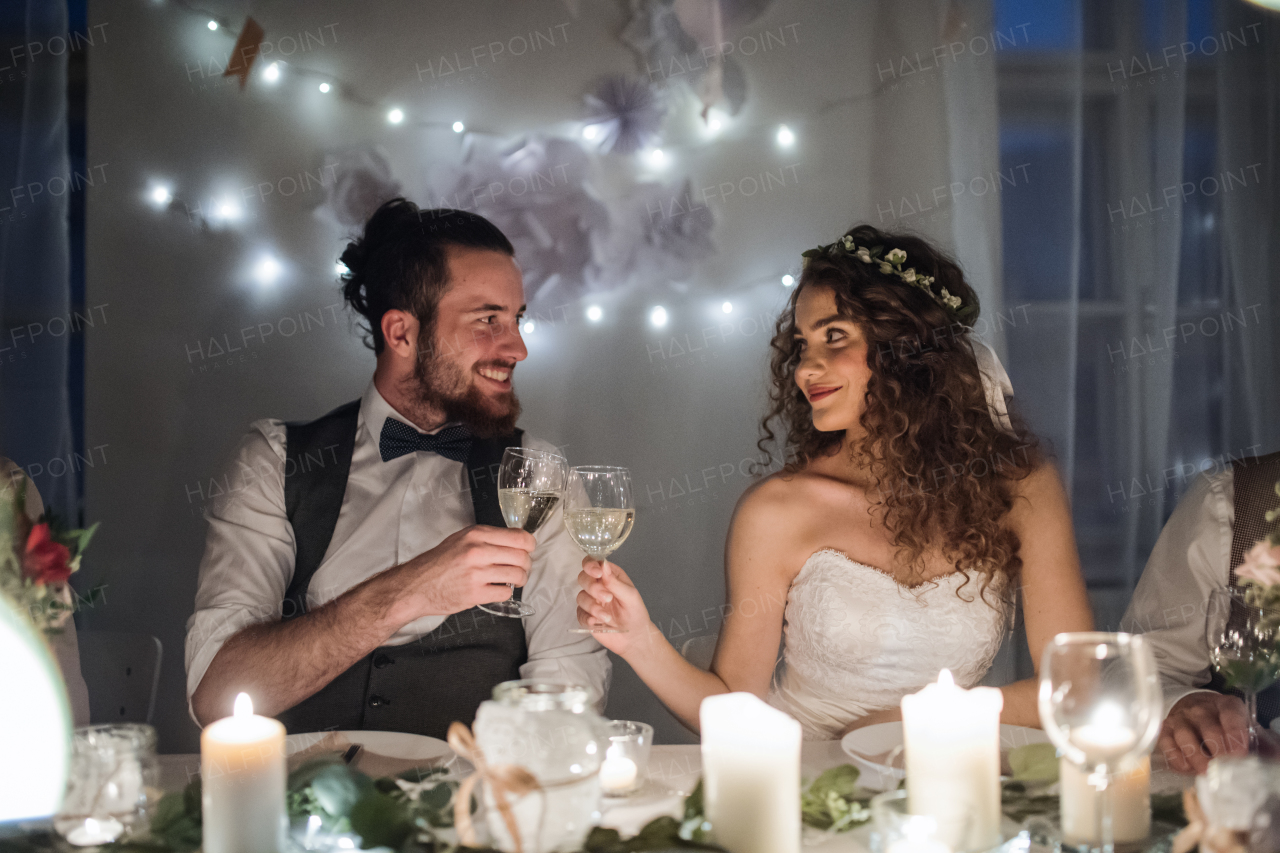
{"points": [[122, 672]]}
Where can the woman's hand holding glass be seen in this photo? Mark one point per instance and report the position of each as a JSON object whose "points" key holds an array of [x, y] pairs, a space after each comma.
{"points": [[609, 599]]}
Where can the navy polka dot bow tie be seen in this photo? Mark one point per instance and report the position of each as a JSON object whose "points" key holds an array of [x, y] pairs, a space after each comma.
{"points": [[398, 438]]}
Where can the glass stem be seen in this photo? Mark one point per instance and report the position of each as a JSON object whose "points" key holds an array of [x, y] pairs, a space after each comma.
{"points": [[1251, 710], [1102, 810]]}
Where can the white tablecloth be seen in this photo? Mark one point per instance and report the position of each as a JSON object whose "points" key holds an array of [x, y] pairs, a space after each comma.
{"points": [[673, 773]]}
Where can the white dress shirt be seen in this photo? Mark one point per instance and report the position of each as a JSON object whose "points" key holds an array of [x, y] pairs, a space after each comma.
{"points": [[1191, 558], [391, 512]]}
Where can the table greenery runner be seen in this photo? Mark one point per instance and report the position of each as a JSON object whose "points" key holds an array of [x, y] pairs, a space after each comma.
{"points": [[407, 812]]}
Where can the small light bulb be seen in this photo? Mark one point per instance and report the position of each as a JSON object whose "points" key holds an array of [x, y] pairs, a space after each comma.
{"points": [[595, 314], [590, 132], [727, 308], [658, 316], [395, 116], [324, 87], [267, 271], [458, 127], [227, 210], [340, 268], [271, 73], [657, 158], [788, 280], [161, 196], [528, 327], [213, 25], [785, 137]]}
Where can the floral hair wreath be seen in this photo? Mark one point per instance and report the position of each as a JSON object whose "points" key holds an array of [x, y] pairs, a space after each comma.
{"points": [[891, 264]]}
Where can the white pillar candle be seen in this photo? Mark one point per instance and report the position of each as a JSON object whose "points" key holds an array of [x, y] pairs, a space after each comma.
{"points": [[1130, 794], [952, 739], [751, 774], [242, 772]]}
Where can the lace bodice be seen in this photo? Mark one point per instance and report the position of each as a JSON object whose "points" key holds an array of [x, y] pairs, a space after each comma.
{"points": [[856, 641]]}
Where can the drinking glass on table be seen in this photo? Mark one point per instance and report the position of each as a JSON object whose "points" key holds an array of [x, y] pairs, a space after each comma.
{"points": [[1101, 705], [1244, 646], [530, 484], [599, 514]]}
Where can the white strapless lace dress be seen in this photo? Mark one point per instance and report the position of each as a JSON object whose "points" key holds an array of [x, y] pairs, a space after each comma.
{"points": [[856, 641]]}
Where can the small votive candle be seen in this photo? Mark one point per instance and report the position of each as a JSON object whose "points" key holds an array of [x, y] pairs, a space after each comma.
{"points": [[626, 761]]}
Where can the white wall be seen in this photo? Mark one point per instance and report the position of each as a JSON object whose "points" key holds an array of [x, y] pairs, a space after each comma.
{"points": [[613, 393]]}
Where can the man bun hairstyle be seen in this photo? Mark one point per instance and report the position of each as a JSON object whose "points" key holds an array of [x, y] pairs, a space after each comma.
{"points": [[400, 261]]}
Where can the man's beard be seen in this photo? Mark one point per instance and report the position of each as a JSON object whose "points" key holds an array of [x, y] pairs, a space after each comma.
{"points": [[440, 385]]}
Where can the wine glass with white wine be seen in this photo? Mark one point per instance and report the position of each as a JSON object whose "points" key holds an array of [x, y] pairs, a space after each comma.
{"points": [[530, 484], [599, 514]]}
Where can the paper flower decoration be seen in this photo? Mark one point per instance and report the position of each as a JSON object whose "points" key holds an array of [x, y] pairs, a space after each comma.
{"points": [[536, 191], [357, 181], [628, 113]]}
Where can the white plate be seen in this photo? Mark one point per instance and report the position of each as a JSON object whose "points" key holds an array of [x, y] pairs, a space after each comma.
{"points": [[871, 749], [391, 744]]}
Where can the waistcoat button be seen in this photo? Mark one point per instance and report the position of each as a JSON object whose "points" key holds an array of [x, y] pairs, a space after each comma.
{"points": [[381, 660], [377, 701]]}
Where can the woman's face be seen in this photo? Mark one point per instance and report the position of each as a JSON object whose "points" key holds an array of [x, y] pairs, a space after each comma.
{"points": [[833, 371]]}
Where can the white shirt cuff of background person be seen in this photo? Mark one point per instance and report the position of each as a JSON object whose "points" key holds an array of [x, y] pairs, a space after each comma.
{"points": [[1191, 559], [392, 511]]}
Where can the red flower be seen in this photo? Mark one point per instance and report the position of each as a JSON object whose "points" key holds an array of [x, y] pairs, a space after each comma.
{"points": [[45, 561]]}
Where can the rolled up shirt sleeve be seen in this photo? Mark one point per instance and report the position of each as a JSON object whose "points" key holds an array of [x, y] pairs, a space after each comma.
{"points": [[555, 652], [1190, 560], [249, 550]]}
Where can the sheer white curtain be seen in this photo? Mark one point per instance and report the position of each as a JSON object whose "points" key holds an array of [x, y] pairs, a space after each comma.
{"points": [[1145, 256], [35, 257]]}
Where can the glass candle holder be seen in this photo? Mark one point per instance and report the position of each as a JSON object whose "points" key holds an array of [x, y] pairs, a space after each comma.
{"points": [[112, 784], [626, 761], [897, 830]]}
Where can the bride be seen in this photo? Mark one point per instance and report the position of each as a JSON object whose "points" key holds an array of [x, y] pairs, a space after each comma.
{"points": [[911, 515]]}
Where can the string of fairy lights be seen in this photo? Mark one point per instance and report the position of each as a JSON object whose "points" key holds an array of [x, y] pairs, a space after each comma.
{"points": [[267, 270]]}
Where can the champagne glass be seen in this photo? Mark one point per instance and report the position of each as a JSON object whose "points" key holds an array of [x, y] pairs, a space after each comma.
{"points": [[1101, 705], [599, 514], [530, 484], [1244, 646]]}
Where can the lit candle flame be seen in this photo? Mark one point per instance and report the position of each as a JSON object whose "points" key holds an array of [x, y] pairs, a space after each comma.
{"points": [[945, 678], [243, 706]]}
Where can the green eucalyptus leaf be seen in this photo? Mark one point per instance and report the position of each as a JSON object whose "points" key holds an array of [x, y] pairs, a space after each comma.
{"points": [[1034, 762], [693, 806], [379, 820], [337, 788]]}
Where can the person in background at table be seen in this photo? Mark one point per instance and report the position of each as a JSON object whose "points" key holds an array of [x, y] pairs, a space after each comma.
{"points": [[1217, 521], [912, 511], [64, 644], [340, 585]]}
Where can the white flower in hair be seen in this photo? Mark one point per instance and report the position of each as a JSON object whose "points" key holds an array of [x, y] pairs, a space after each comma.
{"points": [[909, 275], [885, 268], [848, 243], [952, 302], [863, 254], [896, 256]]}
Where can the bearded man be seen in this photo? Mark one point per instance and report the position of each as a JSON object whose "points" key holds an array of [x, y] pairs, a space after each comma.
{"points": [[340, 587]]}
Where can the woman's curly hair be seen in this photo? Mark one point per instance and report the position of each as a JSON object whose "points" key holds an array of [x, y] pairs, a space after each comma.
{"points": [[942, 468]]}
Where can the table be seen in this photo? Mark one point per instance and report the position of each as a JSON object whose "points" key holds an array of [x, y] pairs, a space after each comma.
{"points": [[674, 770]]}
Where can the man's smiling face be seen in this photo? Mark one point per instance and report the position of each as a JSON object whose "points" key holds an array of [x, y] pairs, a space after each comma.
{"points": [[465, 363]]}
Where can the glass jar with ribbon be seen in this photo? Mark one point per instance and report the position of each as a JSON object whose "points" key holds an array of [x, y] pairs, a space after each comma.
{"points": [[538, 748]]}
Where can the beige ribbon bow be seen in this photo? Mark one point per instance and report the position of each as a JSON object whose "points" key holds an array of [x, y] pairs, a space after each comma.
{"points": [[501, 778]]}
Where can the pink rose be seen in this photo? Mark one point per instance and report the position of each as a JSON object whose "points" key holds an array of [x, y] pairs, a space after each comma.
{"points": [[1261, 564]]}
